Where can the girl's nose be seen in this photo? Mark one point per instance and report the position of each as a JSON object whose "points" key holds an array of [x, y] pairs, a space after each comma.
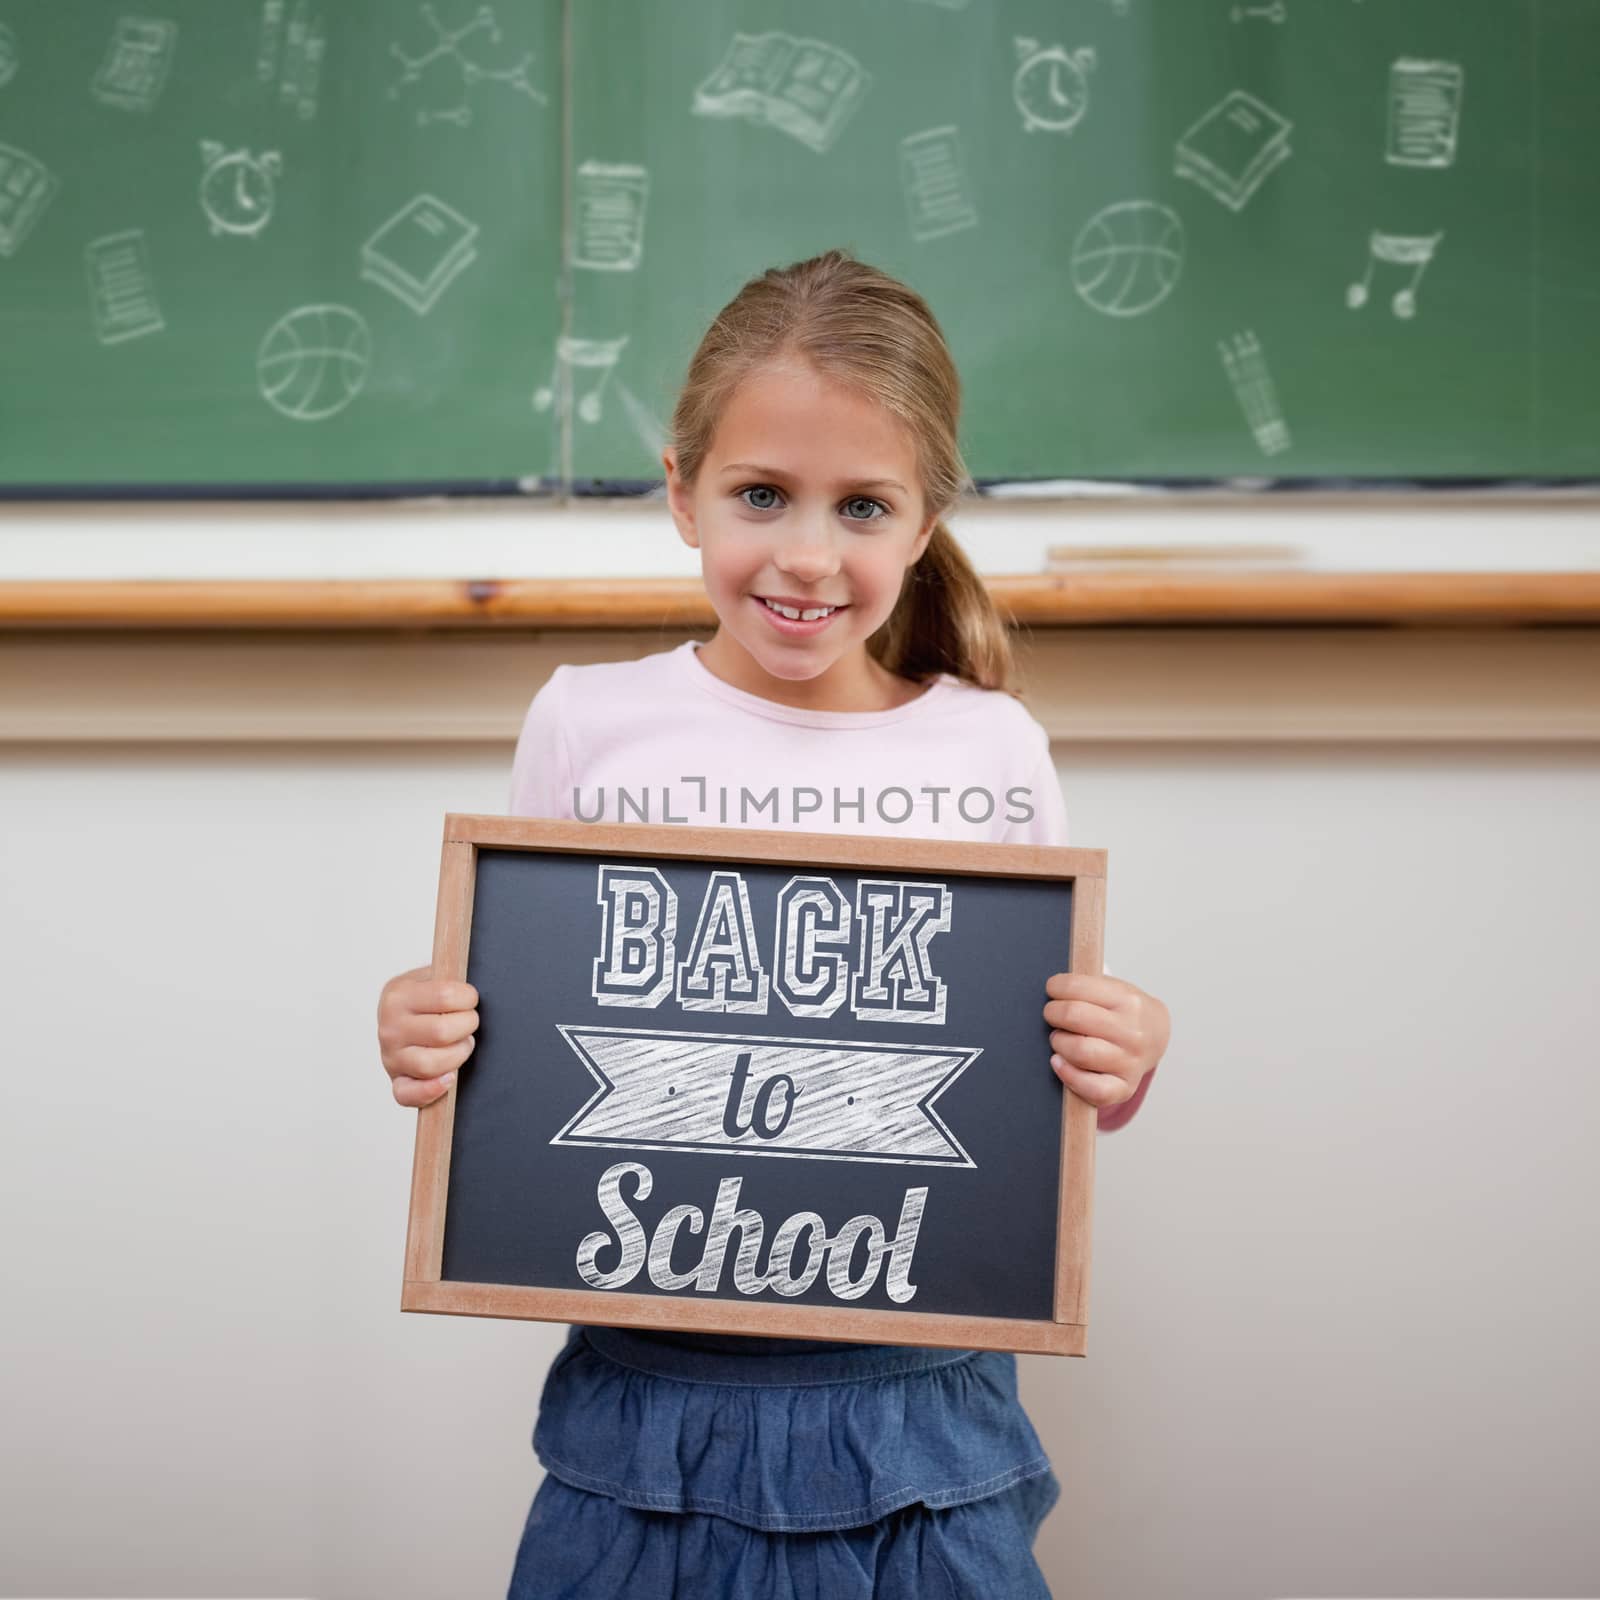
{"points": [[808, 554]]}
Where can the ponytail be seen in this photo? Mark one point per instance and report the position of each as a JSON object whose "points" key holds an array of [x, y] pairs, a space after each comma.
{"points": [[946, 621]]}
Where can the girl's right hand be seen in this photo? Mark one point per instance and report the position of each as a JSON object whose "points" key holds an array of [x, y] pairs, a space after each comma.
{"points": [[425, 1031]]}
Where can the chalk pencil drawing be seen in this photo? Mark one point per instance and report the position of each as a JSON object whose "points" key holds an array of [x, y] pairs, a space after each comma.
{"points": [[1424, 113], [448, 47], [290, 46], [805, 88], [610, 206], [313, 361], [122, 297], [1413, 250], [1051, 85], [1128, 257], [420, 251], [10, 55], [933, 179], [598, 356], [1246, 367], [1234, 147], [238, 191], [138, 58], [269, 38], [27, 186]]}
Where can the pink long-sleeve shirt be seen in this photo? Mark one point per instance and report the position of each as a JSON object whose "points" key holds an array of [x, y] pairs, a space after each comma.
{"points": [[664, 739]]}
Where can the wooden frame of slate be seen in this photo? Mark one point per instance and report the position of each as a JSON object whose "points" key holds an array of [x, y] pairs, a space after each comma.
{"points": [[655, 1002]]}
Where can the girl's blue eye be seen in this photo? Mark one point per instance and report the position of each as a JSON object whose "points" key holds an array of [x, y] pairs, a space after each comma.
{"points": [[876, 508], [866, 500]]}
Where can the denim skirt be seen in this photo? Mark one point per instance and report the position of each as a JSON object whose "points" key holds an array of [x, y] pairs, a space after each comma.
{"points": [[703, 1465]]}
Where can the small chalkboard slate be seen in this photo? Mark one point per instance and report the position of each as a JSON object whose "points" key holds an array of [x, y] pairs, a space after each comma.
{"points": [[759, 1082]]}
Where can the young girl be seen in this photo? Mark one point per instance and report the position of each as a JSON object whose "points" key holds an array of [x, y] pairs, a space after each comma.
{"points": [[859, 672]]}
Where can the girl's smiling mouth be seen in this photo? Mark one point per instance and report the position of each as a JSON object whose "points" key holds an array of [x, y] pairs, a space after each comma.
{"points": [[796, 620]]}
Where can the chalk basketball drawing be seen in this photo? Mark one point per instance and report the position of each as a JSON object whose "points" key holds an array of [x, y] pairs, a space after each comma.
{"points": [[1128, 258], [314, 361]]}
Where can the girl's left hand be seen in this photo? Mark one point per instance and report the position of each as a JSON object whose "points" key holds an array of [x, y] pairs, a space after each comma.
{"points": [[1107, 1034]]}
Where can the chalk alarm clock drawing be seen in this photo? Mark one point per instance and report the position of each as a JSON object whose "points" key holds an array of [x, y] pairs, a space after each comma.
{"points": [[760, 1082]]}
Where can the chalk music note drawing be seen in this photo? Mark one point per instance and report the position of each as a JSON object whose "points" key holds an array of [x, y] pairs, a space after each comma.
{"points": [[593, 355], [1398, 250]]}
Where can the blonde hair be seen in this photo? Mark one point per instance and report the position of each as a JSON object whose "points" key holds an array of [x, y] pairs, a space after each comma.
{"points": [[868, 331]]}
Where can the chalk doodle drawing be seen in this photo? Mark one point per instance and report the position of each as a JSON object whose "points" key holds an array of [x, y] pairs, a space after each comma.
{"points": [[269, 38], [238, 190], [587, 355], [1276, 12], [1246, 367], [314, 361], [289, 53], [136, 63], [1414, 250], [26, 187], [846, 1100], [1051, 86], [1128, 257], [599, 356], [951, 5], [10, 57], [122, 293], [933, 178], [1230, 151], [470, 74], [420, 251], [609, 236], [1424, 113], [803, 87]]}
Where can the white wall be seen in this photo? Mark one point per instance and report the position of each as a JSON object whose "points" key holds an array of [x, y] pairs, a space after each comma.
{"points": [[1343, 1309]]}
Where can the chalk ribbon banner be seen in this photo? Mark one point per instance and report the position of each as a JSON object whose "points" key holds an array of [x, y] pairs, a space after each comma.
{"points": [[667, 1121]]}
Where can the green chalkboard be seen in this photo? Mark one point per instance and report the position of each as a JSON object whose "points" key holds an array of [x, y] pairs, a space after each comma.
{"points": [[277, 242], [288, 243], [1141, 222]]}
